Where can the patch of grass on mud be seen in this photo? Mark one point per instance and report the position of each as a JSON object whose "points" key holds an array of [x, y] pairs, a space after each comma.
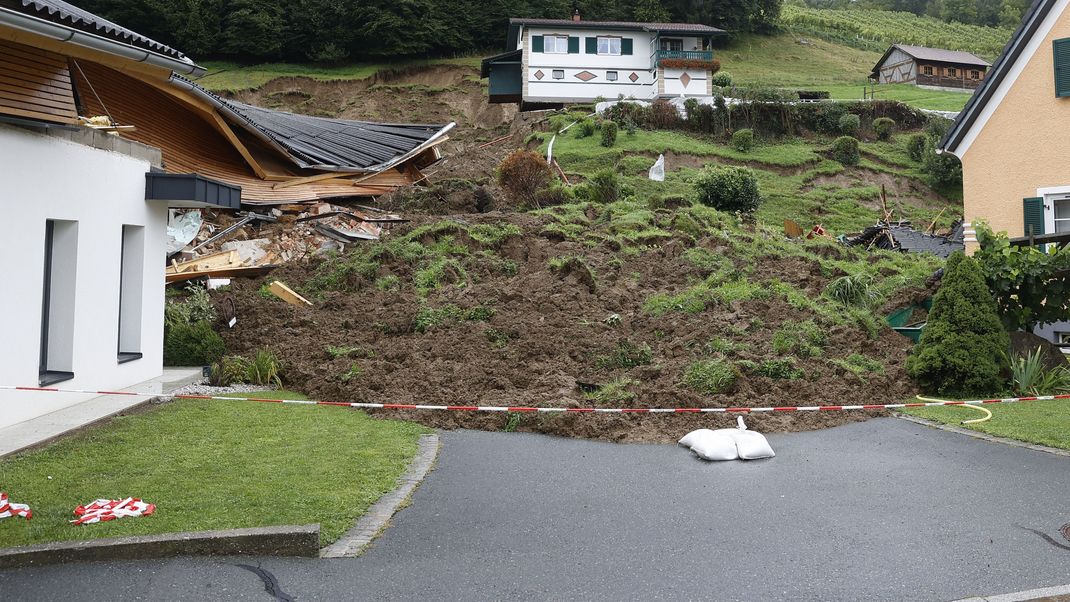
{"points": [[210, 464], [712, 376], [615, 391], [431, 317]]}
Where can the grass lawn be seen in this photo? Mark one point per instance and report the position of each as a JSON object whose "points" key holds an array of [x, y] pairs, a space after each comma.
{"points": [[1043, 422], [212, 465], [226, 76]]}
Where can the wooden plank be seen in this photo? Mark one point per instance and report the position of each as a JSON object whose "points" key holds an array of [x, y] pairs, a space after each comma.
{"points": [[38, 115], [56, 79], [36, 55], [222, 259], [38, 91], [287, 294], [27, 106], [239, 272], [67, 104]]}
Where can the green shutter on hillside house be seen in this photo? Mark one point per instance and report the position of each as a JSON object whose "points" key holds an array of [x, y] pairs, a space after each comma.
{"points": [[536, 43], [1061, 49], [1033, 215], [592, 45], [573, 45], [626, 46]]}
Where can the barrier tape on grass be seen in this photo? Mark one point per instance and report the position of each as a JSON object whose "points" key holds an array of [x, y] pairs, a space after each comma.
{"points": [[461, 408]]}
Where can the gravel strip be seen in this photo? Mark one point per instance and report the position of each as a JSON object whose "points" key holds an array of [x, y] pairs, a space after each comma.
{"points": [[201, 388]]}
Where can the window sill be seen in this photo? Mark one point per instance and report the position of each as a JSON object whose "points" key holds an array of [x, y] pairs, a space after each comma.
{"points": [[125, 356], [52, 377]]}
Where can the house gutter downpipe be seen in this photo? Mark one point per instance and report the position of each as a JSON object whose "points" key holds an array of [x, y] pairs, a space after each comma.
{"points": [[77, 37]]}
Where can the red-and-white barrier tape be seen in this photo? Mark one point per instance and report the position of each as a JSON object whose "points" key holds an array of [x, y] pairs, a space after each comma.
{"points": [[464, 408], [8, 509], [99, 511]]}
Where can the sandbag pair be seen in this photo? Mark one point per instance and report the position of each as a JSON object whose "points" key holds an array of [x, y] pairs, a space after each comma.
{"points": [[728, 444]]}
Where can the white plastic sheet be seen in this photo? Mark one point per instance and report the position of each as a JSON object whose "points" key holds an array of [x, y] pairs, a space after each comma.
{"points": [[181, 229], [657, 172]]}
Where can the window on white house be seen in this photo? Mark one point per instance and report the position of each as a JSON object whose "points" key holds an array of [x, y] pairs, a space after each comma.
{"points": [[671, 44], [57, 302], [559, 74], [555, 44], [611, 76], [610, 46], [131, 284]]}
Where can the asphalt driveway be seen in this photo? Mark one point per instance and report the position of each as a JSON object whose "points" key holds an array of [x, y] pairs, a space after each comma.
{"points": [[880, 510]]}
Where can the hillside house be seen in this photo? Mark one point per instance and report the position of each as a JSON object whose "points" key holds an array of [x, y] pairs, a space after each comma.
{"points": [[1011, 141], [551, 62], [100, 134], [932, 68]]}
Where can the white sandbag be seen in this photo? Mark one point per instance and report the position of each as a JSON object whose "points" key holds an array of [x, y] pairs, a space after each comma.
{"points": [[657, 171], [693, 437], [751, 445], [715, 445]]}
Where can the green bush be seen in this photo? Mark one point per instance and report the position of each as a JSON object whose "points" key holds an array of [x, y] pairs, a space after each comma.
{"points": [[827, 117], [845, 150], [943, 169], [916, 147], [522, 175], [584, 129], [743, 140], [609, 133], [1028, 376], [849, 124], [712, 376], [604, 187], [195, 344], [883, 128], [729, 189], [853, 290], [265, 370], [963, 349], [722, 79], [230, 369]]}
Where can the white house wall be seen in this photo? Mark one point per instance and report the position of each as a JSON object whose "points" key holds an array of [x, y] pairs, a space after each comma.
{"points": [[695, 84], [44, 177]]}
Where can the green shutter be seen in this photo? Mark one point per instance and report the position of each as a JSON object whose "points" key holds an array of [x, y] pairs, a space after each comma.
{"points": [[626, 46], [1061, 49], [1033, 215], [592, 45], [573, 45], [536, 43]]}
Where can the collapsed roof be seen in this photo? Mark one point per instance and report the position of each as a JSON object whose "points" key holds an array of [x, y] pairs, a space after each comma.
{"points": [[901, 236]]}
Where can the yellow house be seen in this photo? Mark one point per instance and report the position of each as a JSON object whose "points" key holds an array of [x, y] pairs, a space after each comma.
{"points": [[1012, 135]]}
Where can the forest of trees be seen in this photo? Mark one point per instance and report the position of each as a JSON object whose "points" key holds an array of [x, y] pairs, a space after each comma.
{"points": [[992, 13], [354, 30]]}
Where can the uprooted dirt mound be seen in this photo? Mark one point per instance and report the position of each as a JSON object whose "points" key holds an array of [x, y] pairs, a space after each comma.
{"points": [[532, 320]]}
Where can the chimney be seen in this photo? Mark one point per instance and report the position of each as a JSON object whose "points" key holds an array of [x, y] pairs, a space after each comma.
{"points": [[576, 15]]}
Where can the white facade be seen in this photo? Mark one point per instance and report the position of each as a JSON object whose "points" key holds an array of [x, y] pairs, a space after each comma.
{"points": [[554, 76], [90, 190]]}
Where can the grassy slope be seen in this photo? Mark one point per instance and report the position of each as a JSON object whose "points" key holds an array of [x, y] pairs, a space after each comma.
{"points": [[212, 465], [780, 60], [228, 77], [1043, 422]]}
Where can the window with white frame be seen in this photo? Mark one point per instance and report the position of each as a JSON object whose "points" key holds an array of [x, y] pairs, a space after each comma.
{"points": [[555, 44], [609, 46], [1061, 208], [57, 311], [611, 76], [558, 74], [672, 44], [131, 285]]}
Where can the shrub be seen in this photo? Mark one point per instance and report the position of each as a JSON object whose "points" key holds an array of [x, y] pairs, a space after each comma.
{"points": [[265, 369], [963, 349], [585, 128], [883, 128], [609, 133], [805, 338], [604, 187], [722, 79], [827, 117], [522, 175], [230, 369], [1028, 376], [916, 147], [943, 169], [195, 344], [852, 290], [729, 189], [743, 140], [849, 124], [712, 376], [554, 195], [845, 150]]}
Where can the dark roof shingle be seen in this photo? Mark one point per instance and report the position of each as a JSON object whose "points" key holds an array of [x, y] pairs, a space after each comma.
{"points": [[942, 56], [673, 27]]}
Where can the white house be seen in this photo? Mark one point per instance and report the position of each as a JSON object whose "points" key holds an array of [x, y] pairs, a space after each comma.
{"points": [[555, 61]]}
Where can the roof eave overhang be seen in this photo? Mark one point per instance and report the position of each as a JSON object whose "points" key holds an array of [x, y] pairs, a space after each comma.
{"points": [[70, 35], [997, 73]]}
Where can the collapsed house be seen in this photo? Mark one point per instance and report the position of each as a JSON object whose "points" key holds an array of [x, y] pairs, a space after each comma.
{"points": [[100, 135], [901, 236]]}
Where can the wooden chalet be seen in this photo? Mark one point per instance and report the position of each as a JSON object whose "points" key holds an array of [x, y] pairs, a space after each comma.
{"points": [[930, 68]]}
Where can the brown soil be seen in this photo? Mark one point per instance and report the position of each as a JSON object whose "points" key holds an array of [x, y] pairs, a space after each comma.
{"points": [[899, 188], [551, 330]]}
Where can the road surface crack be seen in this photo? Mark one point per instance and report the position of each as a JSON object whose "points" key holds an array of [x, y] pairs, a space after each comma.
{"points": [[271, 584]]}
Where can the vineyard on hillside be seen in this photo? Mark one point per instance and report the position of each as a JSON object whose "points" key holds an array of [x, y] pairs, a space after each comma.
{"points": [[877, 29]]}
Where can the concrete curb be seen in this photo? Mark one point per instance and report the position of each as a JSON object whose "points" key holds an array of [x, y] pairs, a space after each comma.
{"points": [[260, 541], [984, 436], [1044, 594], [368, 527]]}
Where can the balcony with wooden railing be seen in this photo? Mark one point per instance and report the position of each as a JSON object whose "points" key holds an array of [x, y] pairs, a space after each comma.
{"points": [[685, 59]]}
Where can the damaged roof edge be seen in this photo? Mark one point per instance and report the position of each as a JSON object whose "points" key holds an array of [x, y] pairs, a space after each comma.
{"points": [[250, 126], [71, 35]]}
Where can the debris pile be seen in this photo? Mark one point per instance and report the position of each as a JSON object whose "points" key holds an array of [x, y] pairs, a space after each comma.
{"points": [[248, 244], [901, 236]]}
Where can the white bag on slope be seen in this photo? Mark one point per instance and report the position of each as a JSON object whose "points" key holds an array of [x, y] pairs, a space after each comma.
{"points": [[693, 437], [715, 445], [751, 445], [657, 172]]}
